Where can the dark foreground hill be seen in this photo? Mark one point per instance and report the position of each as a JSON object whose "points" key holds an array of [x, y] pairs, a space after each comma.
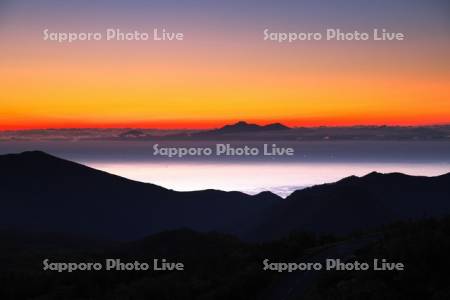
{"points": [[219, 266], [44, 193], [216, 266], [422, 246]]}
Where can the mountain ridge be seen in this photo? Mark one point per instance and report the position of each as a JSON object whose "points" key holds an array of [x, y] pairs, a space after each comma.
{"points": [[48, 193], [359, 203], [44, 193], [243, 127]]}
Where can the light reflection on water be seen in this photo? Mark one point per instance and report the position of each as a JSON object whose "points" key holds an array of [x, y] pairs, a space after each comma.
{"points": [[252, 178]]}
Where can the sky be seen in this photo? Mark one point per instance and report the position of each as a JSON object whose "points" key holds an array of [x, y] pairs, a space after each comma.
{"points": [[223, 71]]}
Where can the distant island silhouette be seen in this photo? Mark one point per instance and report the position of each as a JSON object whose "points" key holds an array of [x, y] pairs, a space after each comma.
{"points": [[243, 126], [243, 131]]}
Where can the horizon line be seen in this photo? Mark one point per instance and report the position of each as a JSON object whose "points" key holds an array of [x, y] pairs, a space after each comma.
{"points": [[169, 128]]}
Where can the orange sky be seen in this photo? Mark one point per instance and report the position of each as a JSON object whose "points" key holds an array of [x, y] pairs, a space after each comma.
{"points": [[207, 82]]}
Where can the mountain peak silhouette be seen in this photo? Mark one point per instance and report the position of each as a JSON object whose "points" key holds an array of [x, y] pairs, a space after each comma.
{"points": [[41, 192], [243, 126], [359, 203], [32, 154], [45, 193]]}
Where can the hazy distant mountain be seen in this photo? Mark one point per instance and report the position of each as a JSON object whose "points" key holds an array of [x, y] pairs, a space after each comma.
{"points": [[242, 131], [44, 193], [133, 134], [243, 127]]}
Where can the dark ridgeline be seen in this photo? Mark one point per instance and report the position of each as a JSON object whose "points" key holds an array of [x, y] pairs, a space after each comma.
{"points": [[48, 206], [358, 203], [40, 192], [43, 193]]}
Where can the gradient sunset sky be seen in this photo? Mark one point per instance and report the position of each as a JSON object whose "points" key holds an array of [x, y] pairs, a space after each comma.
{"points": [[223, 71]]}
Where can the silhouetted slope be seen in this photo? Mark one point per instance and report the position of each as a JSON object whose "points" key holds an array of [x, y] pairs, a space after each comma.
{"points": [[358, 203], [216, 266], [45, 193], [422, 246]]}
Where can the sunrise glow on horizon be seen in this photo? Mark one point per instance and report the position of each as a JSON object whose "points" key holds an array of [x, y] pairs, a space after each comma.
{"points": [[223, 71]]}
